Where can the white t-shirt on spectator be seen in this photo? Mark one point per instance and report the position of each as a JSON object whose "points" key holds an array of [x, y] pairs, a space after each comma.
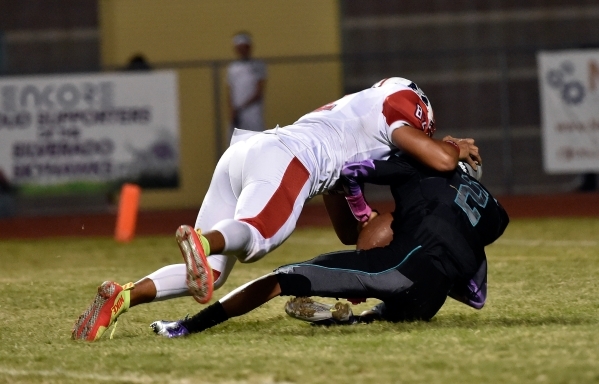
{"points": [[243, 77]]}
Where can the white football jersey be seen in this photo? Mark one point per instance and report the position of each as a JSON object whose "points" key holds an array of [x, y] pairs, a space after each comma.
{"points": [[355, 128]]}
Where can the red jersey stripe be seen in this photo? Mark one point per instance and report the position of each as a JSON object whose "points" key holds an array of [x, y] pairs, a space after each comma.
{"points": [[278, 209]]}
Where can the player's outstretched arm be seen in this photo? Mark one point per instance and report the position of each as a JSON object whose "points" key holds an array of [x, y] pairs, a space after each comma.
{"points": [[350, 212], [468, 151], [440, 155], [344, 222], [352, 178]]}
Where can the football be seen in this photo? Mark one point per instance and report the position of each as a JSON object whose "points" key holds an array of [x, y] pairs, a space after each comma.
{"points": [[377, 233], [477, 174]]}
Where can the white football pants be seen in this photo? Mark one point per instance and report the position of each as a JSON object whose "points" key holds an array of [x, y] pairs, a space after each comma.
{"points": [[255, 197]]}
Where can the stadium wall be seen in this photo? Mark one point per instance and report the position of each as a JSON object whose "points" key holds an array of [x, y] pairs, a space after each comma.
{"points": [[196, 35], [164, 222]]}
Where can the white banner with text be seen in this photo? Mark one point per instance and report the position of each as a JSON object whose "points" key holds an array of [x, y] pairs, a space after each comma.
{"points": [[90, 130], [569, 92]]}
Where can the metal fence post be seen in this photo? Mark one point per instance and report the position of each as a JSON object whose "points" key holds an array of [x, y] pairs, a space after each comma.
{"points": [[2, 53], [218, 134], [504, 101]]}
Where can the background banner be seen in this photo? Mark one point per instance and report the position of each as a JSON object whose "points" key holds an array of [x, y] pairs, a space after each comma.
{"points": [[569, 82], [89, 132]]}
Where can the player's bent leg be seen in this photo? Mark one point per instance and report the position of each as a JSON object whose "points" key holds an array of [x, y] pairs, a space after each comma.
{"points": [[422, 299], [367, 274], [276, 185], [238, 302], [219, 204], [378, 273], [110, 302], [199, 274]]}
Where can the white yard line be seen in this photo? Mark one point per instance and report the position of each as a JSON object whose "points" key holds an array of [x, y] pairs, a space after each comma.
{"points": [[548, 243], [78, 375], [125, 378]]}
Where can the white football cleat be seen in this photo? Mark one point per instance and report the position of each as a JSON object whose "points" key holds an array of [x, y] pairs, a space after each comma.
{"points": [[199, 274]]}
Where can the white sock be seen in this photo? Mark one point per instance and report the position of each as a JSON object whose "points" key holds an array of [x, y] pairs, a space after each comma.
{"points": [[170, 282]]}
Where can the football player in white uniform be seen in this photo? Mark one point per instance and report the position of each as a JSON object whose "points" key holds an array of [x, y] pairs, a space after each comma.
{"points": [[262, 181]]}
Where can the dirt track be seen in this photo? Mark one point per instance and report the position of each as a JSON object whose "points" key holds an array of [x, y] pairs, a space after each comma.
{"points": [[165, 222]]}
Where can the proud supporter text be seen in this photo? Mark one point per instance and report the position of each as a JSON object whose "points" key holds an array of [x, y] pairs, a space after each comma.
{"points": [[577, 126], [112, 116], [63, 148]]}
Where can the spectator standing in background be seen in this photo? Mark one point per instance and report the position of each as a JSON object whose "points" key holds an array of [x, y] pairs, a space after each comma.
{"points": [[138, 63], [246, 80]]}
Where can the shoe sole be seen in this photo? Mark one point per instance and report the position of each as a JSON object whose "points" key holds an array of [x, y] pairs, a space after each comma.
{"points": [[199, 274], [342, 312], [306, 309], [86, 328]]}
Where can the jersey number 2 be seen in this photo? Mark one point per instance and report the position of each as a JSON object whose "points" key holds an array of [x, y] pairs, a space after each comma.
{"points": [[478, 196]]}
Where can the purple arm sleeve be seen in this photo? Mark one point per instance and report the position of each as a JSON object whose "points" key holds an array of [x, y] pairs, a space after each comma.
{"points": [[350, 177]]}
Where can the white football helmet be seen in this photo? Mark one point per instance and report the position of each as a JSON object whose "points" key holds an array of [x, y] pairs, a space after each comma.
{"points": [[392, 81]]}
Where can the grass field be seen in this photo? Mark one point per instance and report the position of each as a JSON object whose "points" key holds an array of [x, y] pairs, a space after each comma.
{"points": [[540, 323]]}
